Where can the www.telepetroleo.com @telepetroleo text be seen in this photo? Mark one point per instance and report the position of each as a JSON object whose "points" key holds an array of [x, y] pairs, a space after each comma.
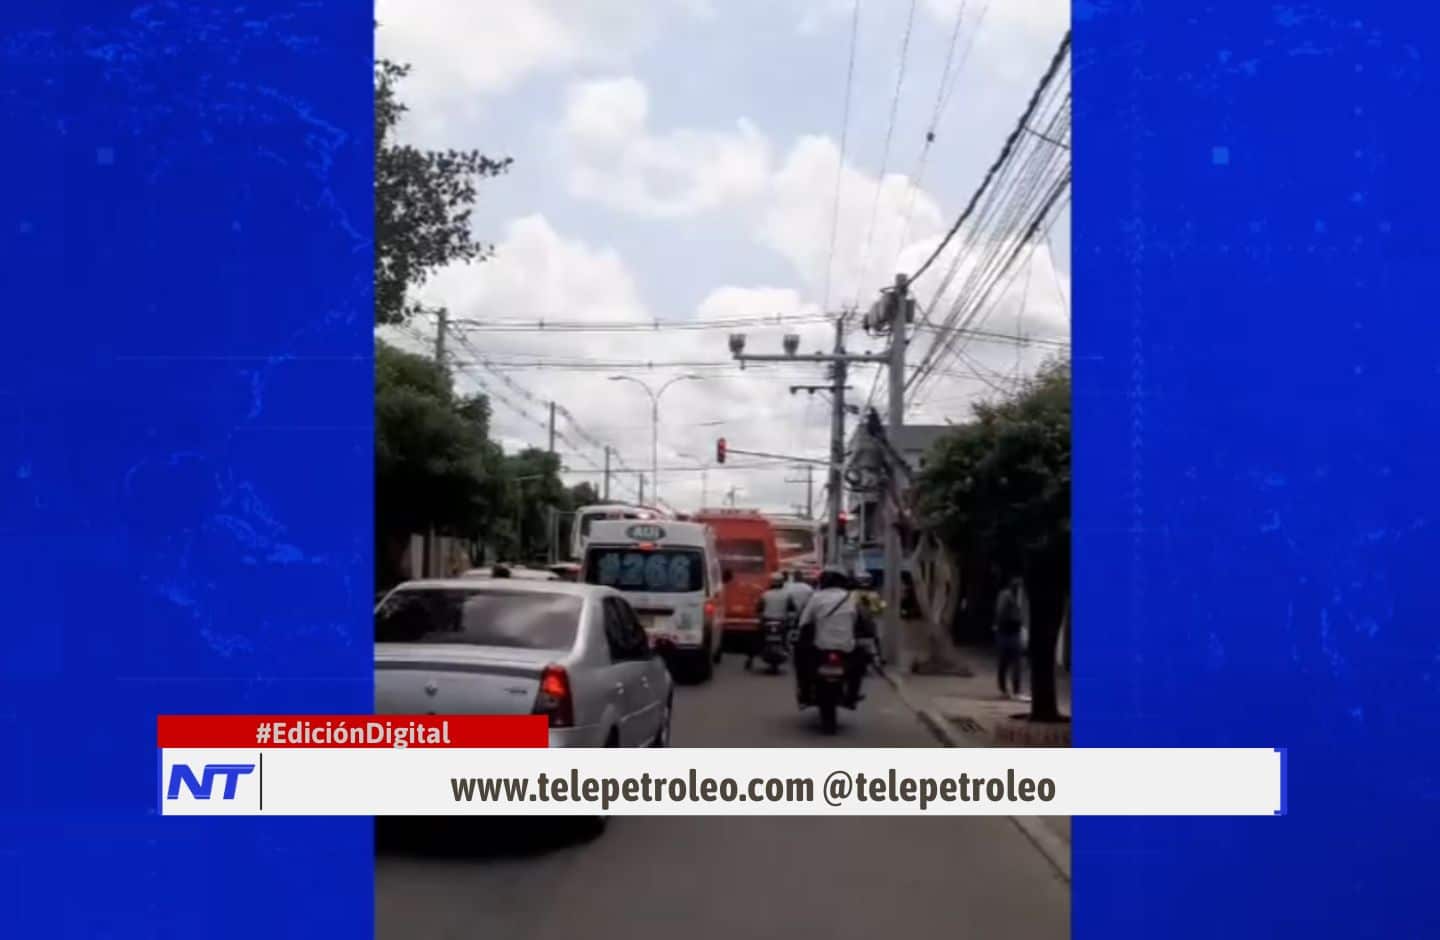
{"points": [[836, 788]]}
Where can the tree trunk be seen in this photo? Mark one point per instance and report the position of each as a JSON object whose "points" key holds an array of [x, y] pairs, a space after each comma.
{"points": [[1047, 608]]}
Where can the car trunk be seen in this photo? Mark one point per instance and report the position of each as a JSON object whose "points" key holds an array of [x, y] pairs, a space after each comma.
{"points": [[455, 679]]}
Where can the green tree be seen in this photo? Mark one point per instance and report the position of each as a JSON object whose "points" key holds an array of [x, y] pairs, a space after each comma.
{"points": [[423, 201], [999, 487], [583, 494], [535, 488], [434, 463]]}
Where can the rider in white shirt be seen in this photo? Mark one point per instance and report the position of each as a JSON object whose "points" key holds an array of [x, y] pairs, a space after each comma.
{"points": [[775, 604], [827, 624], [798, 589]]}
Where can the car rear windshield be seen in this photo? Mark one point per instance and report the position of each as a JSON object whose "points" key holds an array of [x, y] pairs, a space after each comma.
{"points": [[479, 618], [660, 571], [742, 555]]}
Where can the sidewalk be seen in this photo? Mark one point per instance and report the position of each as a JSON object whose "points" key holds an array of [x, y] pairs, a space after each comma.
{"points": [[967, 710]]}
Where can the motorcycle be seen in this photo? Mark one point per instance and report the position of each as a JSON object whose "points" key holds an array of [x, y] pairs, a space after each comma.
{"points": [[775, 643], [830, 688]]}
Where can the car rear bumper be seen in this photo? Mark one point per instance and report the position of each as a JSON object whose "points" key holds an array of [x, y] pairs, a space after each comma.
{"points": [[669, 644], [741, 625]]}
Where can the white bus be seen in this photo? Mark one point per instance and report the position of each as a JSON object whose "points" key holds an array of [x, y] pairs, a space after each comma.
{"points": [[587, 516], [670, 572]]}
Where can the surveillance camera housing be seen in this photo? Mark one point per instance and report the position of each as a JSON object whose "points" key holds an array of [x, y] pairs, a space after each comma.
{"points": [[792, 343]]}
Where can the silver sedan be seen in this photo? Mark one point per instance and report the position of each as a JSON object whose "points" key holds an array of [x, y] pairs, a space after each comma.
{"points": [[572, 652]]}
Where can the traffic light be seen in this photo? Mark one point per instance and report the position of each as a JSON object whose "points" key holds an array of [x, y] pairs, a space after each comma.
{"points": [[720, 450], [843, 518]]}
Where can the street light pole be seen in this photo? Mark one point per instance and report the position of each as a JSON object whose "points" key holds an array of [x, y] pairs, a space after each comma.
{"points": [[654, 425]]}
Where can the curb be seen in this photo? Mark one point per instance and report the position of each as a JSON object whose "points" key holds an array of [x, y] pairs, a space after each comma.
{"points": [[1055, 849]]}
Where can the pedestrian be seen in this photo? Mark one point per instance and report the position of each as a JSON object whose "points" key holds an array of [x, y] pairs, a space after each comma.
{"points": [[1010, 628], [873, 610]]}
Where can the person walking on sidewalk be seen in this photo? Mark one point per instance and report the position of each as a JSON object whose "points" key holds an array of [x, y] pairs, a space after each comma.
{"points": [[1010, 629]]}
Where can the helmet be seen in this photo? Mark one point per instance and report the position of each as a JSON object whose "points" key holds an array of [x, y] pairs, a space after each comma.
{"points": [[777, 579], [833, 577]]}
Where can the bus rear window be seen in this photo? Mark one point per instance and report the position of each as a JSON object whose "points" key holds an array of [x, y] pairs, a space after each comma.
{"points": [[664, 571], [742, 555], [795, 541]]}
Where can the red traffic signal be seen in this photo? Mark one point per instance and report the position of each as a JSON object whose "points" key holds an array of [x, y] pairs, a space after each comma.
{"points": [[720, 450]]}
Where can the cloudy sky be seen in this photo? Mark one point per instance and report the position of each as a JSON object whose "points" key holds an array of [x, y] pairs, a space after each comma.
{"points": [[677, 160]]}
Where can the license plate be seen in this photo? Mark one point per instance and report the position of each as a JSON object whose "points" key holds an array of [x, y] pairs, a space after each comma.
{"points": [[832, 672]]}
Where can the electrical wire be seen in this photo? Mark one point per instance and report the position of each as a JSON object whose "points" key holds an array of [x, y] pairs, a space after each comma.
{"points": [[885, 154], [840, 167], [1004, 154]]}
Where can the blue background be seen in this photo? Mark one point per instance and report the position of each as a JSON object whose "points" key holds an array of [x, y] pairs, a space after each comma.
{"points": [[1257, 455], [186, 441]]}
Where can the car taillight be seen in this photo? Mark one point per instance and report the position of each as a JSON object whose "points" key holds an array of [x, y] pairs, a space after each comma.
{"points": [[554, 698], [709, 610]]}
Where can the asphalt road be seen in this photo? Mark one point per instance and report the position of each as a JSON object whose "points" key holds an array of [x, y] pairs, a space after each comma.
{"points": [[699, 878]]}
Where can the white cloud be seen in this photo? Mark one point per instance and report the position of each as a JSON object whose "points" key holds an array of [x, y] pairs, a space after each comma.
{"points": [[466, 51], [538, 273], [803, 213], [777, 185], [617, 161]]}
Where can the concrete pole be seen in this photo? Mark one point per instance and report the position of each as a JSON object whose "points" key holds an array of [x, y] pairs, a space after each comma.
{"points": [[837, 447], [899, 304]]}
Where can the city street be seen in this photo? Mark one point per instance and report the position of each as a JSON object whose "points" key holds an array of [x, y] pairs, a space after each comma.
{"points": [[713, 877]]}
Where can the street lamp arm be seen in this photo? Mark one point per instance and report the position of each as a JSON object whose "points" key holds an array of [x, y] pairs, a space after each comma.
{"points": [[631, 378], [678, 378]]}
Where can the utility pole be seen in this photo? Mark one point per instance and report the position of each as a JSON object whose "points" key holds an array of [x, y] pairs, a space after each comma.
{"points": [[441, 328], [807, 508], [837, 445], [895, 315], [607, 473], [432, 545], [839, 361], [552, 427], [642, 488]]}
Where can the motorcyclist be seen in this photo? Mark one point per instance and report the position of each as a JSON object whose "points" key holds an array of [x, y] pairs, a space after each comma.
{"points": [[777, 603], [799, 589], [829, 623]]}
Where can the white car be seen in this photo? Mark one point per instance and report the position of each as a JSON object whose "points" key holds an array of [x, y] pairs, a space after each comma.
{"points": [[573, 652]]}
